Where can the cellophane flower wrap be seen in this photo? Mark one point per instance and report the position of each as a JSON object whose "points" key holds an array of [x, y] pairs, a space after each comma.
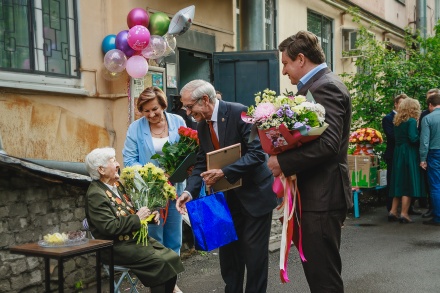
{"points": [[365, 138], [174, 154], [284, 122], [148, 187]]}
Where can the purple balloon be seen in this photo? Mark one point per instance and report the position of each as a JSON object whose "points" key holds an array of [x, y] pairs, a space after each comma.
{"points": [[122, 44]]}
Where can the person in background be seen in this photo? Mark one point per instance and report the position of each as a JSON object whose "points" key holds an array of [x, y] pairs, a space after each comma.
{"points": [[220, 125], [321, 165], [428, 213], [146, 137], [218, 95], [111, 216], [407, 176], [388, 129], [181, 111], [430, 154]]}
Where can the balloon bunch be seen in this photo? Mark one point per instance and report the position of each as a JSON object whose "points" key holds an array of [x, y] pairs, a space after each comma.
{"points": [[147, 38]]}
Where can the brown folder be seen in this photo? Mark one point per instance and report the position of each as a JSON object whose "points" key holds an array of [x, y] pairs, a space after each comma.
{"points": [[220, 158]]}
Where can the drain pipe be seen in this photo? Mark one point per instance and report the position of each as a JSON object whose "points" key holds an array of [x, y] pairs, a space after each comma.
{"points": [[367, 19]]}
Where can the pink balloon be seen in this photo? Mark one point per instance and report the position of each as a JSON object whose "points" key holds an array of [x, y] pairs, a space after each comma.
{"points": [[138, 37], [138, 16], [137, 66]]}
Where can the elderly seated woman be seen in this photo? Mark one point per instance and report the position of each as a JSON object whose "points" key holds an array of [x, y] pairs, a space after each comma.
{"points": [[111, 216]]}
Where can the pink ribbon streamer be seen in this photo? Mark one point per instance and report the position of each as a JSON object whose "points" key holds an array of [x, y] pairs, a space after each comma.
{"points": [[287, 188]]}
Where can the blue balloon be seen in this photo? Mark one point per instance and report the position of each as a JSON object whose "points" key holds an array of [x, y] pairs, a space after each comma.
{"points": [[108, 43]]}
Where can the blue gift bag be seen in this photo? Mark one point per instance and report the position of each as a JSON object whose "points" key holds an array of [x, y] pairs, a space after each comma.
{"points": [[211, 221]]}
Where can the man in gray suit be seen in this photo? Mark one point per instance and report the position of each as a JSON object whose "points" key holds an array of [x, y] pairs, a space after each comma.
{"points": [[321, 165], [251, 204]]}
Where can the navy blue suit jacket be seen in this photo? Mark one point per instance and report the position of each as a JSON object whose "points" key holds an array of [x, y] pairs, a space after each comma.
{"points": [[256, 193]]}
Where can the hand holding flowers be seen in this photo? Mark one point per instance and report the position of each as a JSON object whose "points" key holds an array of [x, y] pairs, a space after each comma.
{"points": [[175, 154], [148, 187]]}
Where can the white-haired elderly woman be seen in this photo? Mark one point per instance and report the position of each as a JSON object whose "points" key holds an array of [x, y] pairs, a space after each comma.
{"points": [[111, 216]]}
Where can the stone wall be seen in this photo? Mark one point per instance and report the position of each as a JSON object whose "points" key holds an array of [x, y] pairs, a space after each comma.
{"points": [[30, 207]]}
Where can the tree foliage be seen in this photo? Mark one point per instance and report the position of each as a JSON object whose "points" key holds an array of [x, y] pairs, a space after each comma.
{"points": [[384, 71]]}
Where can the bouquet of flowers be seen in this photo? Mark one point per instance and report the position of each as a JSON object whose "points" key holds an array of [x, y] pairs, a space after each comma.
{"points": [[175, 154], [148, 186], [365, 138], [286, 121]]}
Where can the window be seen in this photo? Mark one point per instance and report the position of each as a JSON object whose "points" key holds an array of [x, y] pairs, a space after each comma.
{"points": [[270, 25], [321, 26], [38, 38]]}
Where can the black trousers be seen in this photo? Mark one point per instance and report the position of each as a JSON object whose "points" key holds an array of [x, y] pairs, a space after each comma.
{"points": [[321, 241], [250, 251]]}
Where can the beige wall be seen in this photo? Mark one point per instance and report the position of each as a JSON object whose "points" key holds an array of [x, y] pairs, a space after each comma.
{"points": [[56, 126], [292, 17]]}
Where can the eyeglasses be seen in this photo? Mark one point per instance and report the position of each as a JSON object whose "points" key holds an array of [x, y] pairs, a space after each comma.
{"points": [[189, 107]]}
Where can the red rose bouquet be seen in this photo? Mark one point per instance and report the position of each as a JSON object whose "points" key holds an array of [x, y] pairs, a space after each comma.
{"points": [[174, 154]]}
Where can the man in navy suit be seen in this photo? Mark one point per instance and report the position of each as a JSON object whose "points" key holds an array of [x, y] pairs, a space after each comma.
{"points": [[388, 129], [251, 204], [321, 165]]}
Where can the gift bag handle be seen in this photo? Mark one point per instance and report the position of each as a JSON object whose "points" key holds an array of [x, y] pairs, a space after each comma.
{"points": [[203, 190]]}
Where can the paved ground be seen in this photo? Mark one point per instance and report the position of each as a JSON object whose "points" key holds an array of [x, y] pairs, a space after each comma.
{"points": [[377, 256]]}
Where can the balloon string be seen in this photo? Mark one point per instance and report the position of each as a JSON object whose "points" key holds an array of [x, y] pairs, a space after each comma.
{"points": [[129, 102]]}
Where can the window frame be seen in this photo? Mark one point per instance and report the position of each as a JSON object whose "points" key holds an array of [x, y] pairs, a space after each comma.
{"points": [[46, 81], [331, 63]]}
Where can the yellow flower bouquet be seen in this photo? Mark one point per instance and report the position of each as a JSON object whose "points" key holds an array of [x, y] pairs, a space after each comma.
{"points": [[147, 186]]}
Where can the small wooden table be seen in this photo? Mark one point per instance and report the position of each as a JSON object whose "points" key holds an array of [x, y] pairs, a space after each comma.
{"points": [[62, 253]]}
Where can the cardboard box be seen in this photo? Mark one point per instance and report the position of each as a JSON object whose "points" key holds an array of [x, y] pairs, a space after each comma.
{"points": [[382, 177], [363, 170]]}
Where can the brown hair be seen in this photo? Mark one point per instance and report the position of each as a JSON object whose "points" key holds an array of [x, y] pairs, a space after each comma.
{"points": [[434, 99], [149, 94], [408, 108], [399, 97], [303, 42]]}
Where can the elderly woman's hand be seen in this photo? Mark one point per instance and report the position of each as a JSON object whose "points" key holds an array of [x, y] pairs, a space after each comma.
{"points": [[143, 213]]}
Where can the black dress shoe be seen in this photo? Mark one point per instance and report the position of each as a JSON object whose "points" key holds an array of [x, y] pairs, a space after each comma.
{"points": [[414, 212], [392, 218], [404, 220], [431, 222], [428, 214]]}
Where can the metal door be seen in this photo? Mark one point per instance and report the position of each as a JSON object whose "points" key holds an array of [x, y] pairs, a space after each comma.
{"points": [[240, 75]]}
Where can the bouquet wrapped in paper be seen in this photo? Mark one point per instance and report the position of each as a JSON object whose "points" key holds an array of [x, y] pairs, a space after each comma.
{"points": [[148, 187], [285, 122]]}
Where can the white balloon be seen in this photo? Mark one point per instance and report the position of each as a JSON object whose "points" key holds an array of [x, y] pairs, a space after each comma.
{"points": [[181, 21]]}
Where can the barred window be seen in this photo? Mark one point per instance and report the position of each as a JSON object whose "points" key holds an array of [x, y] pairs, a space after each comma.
{"points": [[39, 37]]}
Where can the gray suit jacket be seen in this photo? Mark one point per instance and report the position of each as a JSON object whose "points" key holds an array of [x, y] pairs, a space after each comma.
{"points": [[256, 193], [321, 165]]}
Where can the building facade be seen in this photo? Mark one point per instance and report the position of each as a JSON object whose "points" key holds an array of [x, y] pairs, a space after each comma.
{"points": [[56, 102]]}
